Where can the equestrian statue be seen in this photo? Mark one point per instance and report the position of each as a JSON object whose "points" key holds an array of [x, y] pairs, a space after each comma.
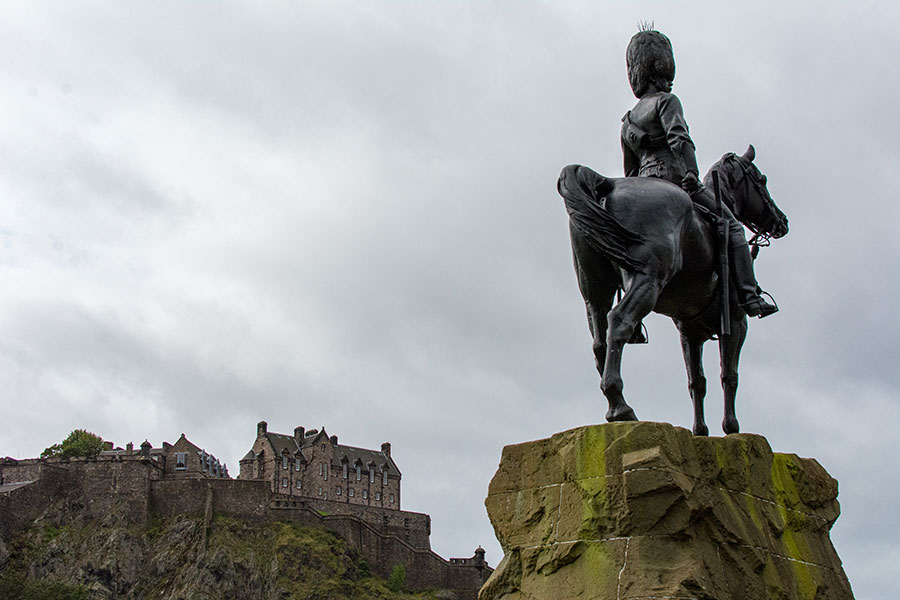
{"points": [[666, 242]]}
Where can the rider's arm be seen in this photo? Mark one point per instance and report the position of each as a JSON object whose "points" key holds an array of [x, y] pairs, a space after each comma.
{"points": [[671, 115]]}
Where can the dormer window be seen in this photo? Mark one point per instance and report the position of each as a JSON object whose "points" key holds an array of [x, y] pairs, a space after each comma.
{"points": [[296, 464], [284, 462], [181, 461], [384, 477], [358, 472], [371, 474], [345, 470]]}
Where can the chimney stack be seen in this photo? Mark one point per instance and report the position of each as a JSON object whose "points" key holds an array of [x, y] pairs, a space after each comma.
{"points": [[299, 432], [145, 448], [261, 429], [386, 449], [334, 440]]}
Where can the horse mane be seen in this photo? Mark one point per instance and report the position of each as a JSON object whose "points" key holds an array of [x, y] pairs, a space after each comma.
{"points": [[583, 190], [726, 180]]}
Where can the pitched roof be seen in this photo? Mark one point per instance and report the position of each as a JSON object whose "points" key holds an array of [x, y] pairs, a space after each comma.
{"points": [[365, 456], [281, 442]]}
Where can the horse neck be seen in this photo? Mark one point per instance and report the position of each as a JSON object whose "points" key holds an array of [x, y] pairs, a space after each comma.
{"points": [[728, 191]]}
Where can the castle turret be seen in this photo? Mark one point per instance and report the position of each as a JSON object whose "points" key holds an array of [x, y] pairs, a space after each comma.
{"points": [[261, 428]]}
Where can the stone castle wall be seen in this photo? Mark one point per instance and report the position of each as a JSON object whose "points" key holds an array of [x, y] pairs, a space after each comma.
{"points": [[133, 487]]}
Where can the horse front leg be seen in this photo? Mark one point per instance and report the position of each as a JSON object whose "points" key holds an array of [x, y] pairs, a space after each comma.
{"points": [[692, 350], [729, 356], [638, 301]]}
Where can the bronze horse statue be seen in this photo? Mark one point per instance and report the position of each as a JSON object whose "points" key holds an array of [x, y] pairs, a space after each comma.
{"points": [[645, 236]]}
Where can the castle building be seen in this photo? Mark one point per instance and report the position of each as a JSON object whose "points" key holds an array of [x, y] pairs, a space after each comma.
{"points": [[307, 478], [312, 464]]}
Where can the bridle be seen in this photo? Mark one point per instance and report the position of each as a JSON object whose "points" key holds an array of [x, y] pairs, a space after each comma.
{"points": [[750, 177]]}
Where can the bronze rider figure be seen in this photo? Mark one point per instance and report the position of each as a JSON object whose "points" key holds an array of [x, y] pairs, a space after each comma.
{"points": [[656, 143]]}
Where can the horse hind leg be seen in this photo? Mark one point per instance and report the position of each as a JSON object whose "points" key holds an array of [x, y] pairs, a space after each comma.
{"points": [[638, 301], [729, 355], [692, 350], [598, 289]]}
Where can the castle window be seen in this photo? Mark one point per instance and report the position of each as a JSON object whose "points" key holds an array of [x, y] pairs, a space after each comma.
{"points": [[299, 484], [358, 472], [365, 493], [371, 475], [378, 496], [350, 492], [345, 470], [284, 482], [181, 461], [284, 462], [297, 464], [320, 491], [391, 498], [338, 490], [384, 477], [323, 471]]}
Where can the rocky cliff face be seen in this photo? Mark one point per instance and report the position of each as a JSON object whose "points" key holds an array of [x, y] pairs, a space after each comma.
{"points": [[183, 558], [646, 510]]}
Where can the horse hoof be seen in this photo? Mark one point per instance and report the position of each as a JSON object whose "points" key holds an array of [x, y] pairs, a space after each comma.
{"points": [[622, 414], [701, 430], [730, 426]]}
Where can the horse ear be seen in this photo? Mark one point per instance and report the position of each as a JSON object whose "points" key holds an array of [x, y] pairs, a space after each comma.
{"points": [[750, 154]]}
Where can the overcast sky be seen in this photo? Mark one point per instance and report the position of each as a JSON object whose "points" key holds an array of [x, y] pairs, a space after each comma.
{"points": [[344, 215]]}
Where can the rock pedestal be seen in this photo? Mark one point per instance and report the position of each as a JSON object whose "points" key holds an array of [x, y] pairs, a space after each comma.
{"points": [[628, 511]]}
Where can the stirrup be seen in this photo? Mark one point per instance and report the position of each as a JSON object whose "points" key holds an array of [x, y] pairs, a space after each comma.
{"points": [[639, 335], [757, 307]]}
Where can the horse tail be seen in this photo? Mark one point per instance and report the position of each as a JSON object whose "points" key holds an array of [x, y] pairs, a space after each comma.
{"points": [[584, 192]]}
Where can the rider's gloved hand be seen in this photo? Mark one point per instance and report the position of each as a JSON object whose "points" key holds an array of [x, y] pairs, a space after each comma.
{"points": [[690, 183]]}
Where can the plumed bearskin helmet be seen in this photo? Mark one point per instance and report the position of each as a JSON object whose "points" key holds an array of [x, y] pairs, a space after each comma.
{"points": [[650, 61]]}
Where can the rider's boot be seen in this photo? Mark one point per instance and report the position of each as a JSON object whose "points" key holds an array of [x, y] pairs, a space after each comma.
{"points": [[744, 279]]}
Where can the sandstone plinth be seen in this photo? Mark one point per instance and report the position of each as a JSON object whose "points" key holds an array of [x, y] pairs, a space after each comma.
{"points": [[646, 510]]}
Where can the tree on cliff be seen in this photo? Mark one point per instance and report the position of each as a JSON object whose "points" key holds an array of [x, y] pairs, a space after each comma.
{"points": [[79, 443]]}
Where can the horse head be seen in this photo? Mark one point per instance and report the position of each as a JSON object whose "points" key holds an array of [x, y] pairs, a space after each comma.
{"points": [[749, 199]]}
